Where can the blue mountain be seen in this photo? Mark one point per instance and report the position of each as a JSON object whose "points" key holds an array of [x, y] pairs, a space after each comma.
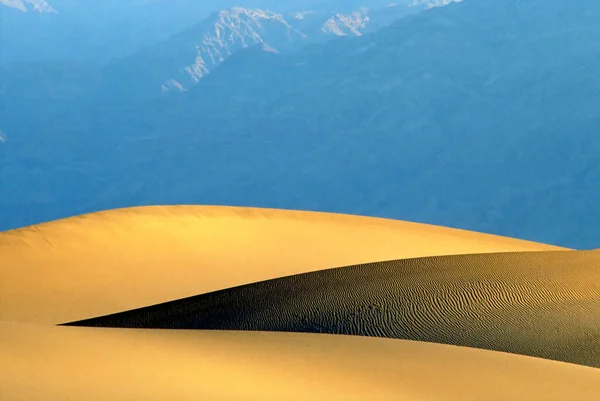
{"points": [[479, 115]]}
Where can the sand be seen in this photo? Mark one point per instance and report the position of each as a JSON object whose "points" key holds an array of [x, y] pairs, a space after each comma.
{"points": [[45, 363], [543, 304], [118, 260]]}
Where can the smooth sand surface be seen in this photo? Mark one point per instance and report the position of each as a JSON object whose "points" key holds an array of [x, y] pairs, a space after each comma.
{"points": [[46, 363], [543, 304], [117, 260]]}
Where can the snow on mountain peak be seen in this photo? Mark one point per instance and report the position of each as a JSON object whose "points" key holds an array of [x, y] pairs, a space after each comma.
{"points": [[231, 30], [347, 24], [252, 13]]}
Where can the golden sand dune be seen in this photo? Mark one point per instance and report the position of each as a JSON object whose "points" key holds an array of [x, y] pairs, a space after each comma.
{"points": [[45, 363], [116, 260], [538, 303], [544, 304]]}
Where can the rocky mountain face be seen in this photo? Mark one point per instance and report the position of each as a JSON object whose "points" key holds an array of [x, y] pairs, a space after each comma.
{"points": [[226, 33], [181, 61], [171, 65], [85, 31]]}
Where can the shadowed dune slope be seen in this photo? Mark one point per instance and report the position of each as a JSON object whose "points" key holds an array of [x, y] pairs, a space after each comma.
{"points": [[45, 363], [122, 259], [543, 304]]}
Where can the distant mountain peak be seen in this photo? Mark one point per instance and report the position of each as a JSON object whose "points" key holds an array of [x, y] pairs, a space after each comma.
{"points": [[347, 24], [433, 3], [186, 58], [239, 17], [40, 6], [254, 13], [230, 30]]}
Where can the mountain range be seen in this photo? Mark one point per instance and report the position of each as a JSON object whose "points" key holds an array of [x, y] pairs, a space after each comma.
{"points": [[182, 60], [74, 30], [479, 115]]}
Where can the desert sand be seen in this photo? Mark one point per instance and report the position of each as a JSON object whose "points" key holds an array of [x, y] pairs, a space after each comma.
{"points": [[46, 363], [118, 260], [543, 304]]}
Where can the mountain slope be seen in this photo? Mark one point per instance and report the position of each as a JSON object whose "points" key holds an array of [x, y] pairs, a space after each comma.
{"points": [[75, 30], [182, 60], [91, 31], [465, 109], [479, 115]]}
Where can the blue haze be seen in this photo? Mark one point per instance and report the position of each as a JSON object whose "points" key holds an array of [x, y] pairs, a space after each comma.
{"points": [[482, 115]]}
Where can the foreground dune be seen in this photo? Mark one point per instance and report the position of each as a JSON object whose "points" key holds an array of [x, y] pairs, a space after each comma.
{"points": [[272, 270], [45, 363], [544, 304], [116, 260]]}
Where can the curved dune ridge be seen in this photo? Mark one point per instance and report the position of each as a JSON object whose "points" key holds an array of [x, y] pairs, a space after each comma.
{"points": [[116, 260], [279, 270], [543, 304], [46, 363]]}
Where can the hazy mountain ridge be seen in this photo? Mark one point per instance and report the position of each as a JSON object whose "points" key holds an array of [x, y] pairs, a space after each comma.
{"points": [[347, 24], [78, 30], [461, 116], [433, 3], [85, 31], [180, 61], [480, 115], [166, 66], [29, 5], [230, 31]]}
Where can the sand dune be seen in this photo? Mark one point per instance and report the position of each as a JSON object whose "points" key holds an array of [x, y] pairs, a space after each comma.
{"points": [[45, 363], [116, 260], [544, 304], [537, 303]]}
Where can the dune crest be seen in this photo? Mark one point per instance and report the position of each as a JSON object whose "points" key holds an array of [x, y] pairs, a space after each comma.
{"points": [[116, 260]]}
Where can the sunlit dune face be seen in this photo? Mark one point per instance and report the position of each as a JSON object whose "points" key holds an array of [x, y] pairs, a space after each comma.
{"points": [[46, 363], [117, 260]]}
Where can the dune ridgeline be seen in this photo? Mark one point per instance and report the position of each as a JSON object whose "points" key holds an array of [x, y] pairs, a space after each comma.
{"points": [[232, 303]]}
